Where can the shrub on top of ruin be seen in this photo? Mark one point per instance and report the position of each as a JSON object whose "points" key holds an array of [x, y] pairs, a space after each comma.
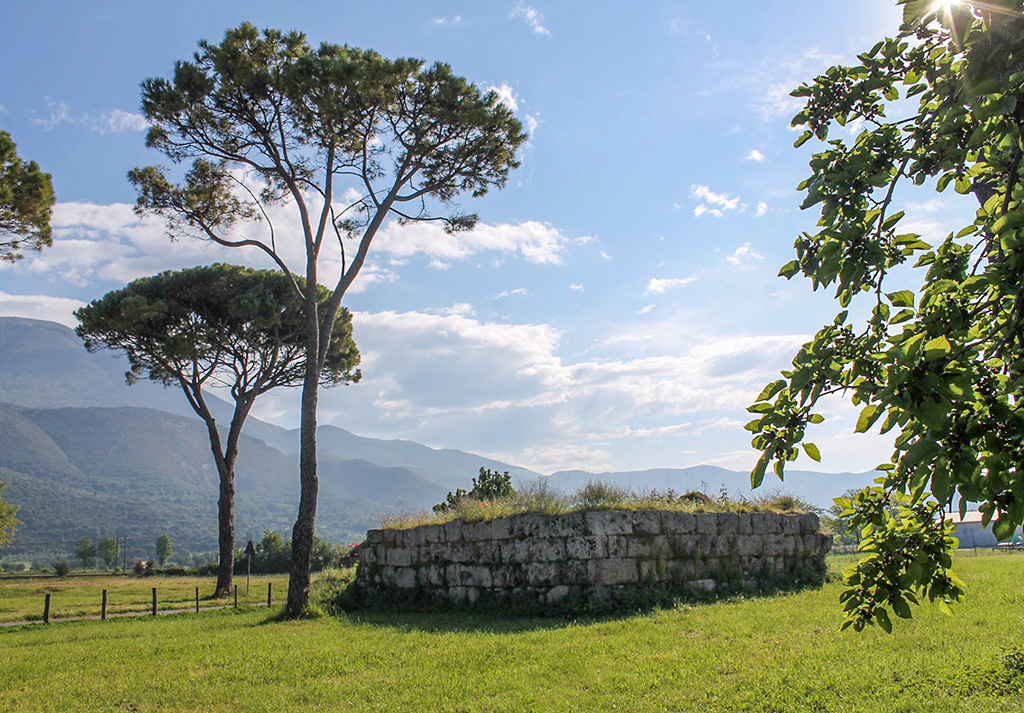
{"points": [[489, 486]]}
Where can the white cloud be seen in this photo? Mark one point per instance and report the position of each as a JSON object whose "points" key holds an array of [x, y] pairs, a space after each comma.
{"points": [[454, 20], [506, 95], [755, 155], [53, 309], [115, 121], [459, 309], [534, 241], [506, 391], [532, 122], [645, 309], [658, 286], [702, 209], [517, 292], [723, 200], [762, 208], [532, 17], [605, 255], [744, 255]]}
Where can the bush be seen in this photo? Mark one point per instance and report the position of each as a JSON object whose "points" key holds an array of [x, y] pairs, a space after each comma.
{"points": [[331, 591], [490, 486], [61, 568]]}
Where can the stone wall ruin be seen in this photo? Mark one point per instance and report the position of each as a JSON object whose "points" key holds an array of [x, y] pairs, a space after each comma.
{"points": [[589, 560]]}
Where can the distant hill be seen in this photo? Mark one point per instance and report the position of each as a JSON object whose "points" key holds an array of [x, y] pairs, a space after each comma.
{"points": [[817, 488], [94, 471], [44, 365]]}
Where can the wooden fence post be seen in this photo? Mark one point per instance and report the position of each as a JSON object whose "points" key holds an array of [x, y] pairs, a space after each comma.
{"points": [[103, 607], [197, 600], [46, 610], [154, 601], [270, 587], [236, 596]]}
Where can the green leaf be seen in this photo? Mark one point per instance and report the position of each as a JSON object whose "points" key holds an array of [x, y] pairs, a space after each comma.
{"points": [[868, 416], [789, 269], [882, 617], [903, 298], [771, 389], [815, 418], [757, 475], [936, 348], [812, 451]]}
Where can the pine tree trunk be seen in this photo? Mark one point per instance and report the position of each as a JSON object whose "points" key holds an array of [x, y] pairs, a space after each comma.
{"points": [[302, 533], [226, 533]]}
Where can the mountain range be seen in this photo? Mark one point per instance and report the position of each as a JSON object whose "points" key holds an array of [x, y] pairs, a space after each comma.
{"points": [[86, 454]]}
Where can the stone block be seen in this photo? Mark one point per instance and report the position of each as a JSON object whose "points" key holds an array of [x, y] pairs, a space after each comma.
{"points": [[432, 576], [501, 529], [618, 545], [477, 576], [542, 574], [576, 572], [809, 523], [647, 522], [416, 537], [389, 536], [461, 552], [613, 571], [728, 523], [507, 576], [749, 545], [743, 526], [707, 523], [433, 534], [405, 578], [458, 595], [453, 530], [399, 557], [683, 546], [476, 531], [587, 548], [548, 550], [765, 523], [681, 523], [488, 551], [790, 524], [774, 545], [374, 537], [639, 547], [525, 525], [571, 524], [557, 593], [722, 545], [609, 522]]}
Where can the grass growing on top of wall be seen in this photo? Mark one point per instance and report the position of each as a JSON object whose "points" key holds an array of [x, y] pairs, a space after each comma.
{"points": [[595, 495]]}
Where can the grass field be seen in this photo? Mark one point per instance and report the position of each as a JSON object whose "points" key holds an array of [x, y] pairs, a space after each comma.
{"points": [[22, 599], [781, 653]]}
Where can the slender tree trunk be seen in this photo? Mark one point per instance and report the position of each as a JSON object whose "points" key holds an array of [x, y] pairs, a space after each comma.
{"points": [[302, 533], [225, 510], [226, 532]]}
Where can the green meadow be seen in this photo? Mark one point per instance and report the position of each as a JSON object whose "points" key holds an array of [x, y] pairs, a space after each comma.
{"points": [[778, 653], [22, 599]]}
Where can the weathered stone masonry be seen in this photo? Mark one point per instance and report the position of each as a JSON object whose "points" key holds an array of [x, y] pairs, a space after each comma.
{"points": [[590, 557]]}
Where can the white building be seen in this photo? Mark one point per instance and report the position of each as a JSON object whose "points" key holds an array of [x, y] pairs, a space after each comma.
{"points": [[970, 532]]}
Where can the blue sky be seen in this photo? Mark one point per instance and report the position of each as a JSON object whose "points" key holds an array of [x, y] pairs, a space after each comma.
{"points": [[618, 305]]}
